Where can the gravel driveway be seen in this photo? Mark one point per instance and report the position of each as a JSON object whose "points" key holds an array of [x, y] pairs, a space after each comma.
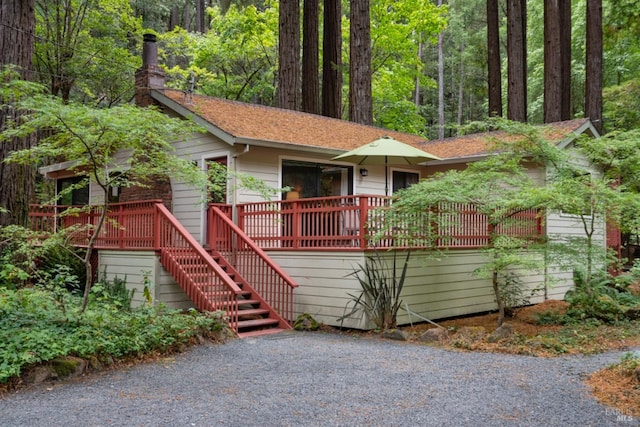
{"points": [[320, 379]]}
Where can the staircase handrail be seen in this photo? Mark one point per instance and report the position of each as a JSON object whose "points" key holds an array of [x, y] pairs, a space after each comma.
{"points": [[255, 248], [194, 245]]}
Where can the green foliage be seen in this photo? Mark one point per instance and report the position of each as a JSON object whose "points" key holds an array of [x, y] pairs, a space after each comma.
{"points": [[381, 285], [34, 329], [28, 257], [621, 106], [604, 298], [513, 293], [84, 50], [629, 362], [235, 60], [113, 292]]}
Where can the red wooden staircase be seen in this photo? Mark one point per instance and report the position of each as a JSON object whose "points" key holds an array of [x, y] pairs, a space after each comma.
{"points": [[213, 283]]}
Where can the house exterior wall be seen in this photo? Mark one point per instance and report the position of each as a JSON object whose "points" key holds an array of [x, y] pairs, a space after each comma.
{"points": [[135, 266], [434, 288]]}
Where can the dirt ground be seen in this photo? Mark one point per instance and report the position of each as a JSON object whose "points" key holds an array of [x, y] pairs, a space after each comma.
{"points": [[613, 386]]}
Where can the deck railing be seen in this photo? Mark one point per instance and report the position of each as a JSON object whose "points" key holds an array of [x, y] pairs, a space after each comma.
{"points": [[327, 223], [358, 223], [269, 281]]}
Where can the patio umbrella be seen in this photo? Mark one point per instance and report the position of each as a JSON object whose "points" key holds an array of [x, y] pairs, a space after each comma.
{"points": [[386, 151]]}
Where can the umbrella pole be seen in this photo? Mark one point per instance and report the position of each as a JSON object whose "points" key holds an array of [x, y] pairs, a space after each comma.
{"points": [[386, 177]]}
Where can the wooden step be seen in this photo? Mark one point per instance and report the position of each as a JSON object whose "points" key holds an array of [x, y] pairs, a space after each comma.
{"points": [[248, 302], [256, 323], [252, 312]]}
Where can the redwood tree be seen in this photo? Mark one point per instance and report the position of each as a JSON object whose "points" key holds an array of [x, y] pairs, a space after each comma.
{"points": [[360, 98], [557, 60], [310, 78], [593, 78], [332, 60], [493, 59], [289, 55], [516, 60], [17, 24]]}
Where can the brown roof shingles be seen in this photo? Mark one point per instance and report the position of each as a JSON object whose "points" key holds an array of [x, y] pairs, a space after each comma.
{"points": [[258, 122], [263, 123]]}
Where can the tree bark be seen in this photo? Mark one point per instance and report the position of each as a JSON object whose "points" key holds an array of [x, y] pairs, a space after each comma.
{"points": [[310, 63], [360, 98], [17, 25], [552, 62], [289, 55], [440, 82], [332, 60], [565, 48], [200, 16], [557, 60], [593, 80], [493, 59], [516, 60]]}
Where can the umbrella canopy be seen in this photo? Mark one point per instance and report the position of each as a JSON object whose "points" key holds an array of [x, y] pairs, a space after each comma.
{"points": [[386, 151]]}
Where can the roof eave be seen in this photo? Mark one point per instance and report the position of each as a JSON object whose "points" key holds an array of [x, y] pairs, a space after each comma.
{"points": [[586, 126], [289, 146], [184, 112]]}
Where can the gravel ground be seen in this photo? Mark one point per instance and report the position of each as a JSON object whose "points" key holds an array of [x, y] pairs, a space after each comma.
{"points": [[320, 379]]}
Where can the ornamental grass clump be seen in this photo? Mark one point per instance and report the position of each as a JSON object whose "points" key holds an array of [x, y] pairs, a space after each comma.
{"points": [[381, 285]]}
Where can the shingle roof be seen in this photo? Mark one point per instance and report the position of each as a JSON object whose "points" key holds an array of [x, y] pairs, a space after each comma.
{"points": [[477, 144], [261, 123]]}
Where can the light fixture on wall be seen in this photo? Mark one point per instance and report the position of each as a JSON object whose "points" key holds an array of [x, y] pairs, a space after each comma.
{"points": [[364, 172]]}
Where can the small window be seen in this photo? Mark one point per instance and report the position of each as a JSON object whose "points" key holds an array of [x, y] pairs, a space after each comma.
{"points": [[402, 179], [78, 196]]}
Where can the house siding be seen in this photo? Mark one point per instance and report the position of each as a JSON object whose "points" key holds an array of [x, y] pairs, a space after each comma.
{"points": [[434, 288], [134, 266]]}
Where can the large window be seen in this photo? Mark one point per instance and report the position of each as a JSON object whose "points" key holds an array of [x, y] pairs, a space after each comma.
{"points": [[308, 179], [79, 195]]}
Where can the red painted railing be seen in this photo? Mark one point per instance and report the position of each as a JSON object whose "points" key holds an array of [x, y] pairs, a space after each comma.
{"points": [[314, 223], [269, 281], [127, 226], [355, 222]]}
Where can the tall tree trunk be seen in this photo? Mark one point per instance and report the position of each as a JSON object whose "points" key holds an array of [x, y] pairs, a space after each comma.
{"points": [[593, 81], [493, 59], [187, 15], [440, 82], [174, 19], [310, 63], [552, 62], [332, 60], [360, 98], [516, 60], [565, 48], [200, 16], [289, 55], [17, 25], [557, 60], [461, 87]]}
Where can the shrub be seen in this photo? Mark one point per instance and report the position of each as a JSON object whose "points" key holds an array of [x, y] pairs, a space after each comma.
{"points": [[381, 286], [34, 329], [604, 299]]}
